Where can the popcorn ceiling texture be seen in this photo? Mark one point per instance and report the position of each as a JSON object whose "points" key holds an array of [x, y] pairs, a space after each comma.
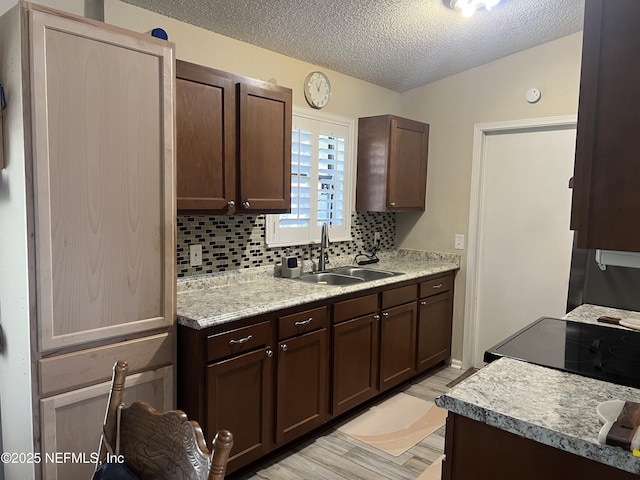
{"points": [[235, 242], [399, 45]]}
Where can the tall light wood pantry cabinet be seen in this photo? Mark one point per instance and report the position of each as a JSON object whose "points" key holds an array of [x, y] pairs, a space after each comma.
{"points": [[98, 152]]}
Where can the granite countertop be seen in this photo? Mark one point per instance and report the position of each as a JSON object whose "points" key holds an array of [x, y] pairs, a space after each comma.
{"points": [[542, 404], [590, 313], [210, 300]]}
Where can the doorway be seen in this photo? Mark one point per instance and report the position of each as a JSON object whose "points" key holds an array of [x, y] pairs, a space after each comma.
{"points": [[520, 243]]}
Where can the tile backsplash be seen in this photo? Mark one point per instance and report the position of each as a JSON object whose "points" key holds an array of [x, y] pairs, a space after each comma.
{"points": [[236, 242]]}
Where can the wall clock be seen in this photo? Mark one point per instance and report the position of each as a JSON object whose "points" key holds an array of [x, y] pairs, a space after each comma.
{"points": [[317, 89]]}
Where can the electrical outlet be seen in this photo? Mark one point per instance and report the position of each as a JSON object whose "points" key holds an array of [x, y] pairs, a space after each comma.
{"points": [[458, 241], [195, 255]]}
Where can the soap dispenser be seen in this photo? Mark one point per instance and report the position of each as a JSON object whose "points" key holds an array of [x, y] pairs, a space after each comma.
{"points": [[290, 268]]}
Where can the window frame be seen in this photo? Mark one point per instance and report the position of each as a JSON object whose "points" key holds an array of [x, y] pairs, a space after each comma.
{"points": [[276, 236]]}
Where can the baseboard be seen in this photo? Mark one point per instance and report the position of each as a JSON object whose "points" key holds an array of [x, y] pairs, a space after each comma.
{"points": [[455, 363]]}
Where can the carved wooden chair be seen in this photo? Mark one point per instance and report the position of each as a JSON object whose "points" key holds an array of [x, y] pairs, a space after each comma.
{"points": [[158, 446]]}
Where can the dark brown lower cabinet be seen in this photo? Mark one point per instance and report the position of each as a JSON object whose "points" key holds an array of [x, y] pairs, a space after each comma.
{"points": [[301, 396], [355, 362], [329, 358], [434, 330], [397, 344], [477, 451], [239, 399]]}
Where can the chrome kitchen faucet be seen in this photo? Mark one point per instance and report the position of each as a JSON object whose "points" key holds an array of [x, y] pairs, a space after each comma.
{"points": [[324, 246]]}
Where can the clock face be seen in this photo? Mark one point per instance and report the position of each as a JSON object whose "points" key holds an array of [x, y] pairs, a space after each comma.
{"points": [[317, 89]]}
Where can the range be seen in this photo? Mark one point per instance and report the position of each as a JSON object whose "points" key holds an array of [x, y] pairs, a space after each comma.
{"points": [[596, 351]]}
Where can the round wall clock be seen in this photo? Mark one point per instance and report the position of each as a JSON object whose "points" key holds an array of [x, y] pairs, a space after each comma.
{"points": [[317, 89]]}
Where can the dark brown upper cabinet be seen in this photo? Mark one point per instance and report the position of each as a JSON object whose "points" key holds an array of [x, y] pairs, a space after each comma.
{"points": [[606, 203], [392, 164], [233, 143]]}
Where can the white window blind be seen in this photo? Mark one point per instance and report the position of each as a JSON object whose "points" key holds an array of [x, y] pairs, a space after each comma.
{"points": [[321, 189]]}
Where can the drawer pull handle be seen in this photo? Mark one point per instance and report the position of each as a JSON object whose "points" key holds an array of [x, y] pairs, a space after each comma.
{"points": [[437, 286], [304, 323], [423, 303], [241, 341]]}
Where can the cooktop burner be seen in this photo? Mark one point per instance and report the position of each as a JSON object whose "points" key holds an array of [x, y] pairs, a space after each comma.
{"points": [[595, 351]]}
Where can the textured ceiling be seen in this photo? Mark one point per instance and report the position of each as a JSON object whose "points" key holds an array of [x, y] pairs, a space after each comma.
{"points": [[397, 44]]}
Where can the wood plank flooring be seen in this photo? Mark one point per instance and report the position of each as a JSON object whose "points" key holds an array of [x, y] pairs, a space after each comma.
{"points": [[333, 455]]}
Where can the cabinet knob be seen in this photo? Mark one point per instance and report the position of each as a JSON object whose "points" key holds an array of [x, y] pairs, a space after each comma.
{"points": [[392, 204], [283, 347], [376, 317], [231, 204], [269, 353], [246, 204], [385, 315], [423, 303]]}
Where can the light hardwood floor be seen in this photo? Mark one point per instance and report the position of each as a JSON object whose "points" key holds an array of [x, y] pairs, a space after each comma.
{"points": [[333, 455]]}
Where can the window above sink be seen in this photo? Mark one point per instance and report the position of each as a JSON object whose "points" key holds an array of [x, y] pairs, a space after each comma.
{"points": [[322, 162]]}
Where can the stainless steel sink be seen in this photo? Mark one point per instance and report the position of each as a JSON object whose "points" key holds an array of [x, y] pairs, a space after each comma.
{"points": [[346, 276], [365, 273], [329, 278]]}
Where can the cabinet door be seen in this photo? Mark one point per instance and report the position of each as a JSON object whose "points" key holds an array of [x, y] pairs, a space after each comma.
{"points": [[397, 344], [408, 153], [103, 181], [606, 203], [355, 362], [206, 140], [265, 148], [470, 443], [72, 421], [239, 399], [302, 400], [435, 318], [392, 164]]}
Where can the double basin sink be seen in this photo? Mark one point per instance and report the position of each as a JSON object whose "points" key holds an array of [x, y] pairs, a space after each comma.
{"points": [[346, 276]]}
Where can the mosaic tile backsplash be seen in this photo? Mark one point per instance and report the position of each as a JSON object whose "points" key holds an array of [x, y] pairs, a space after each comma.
{"points": [[236, 242]]}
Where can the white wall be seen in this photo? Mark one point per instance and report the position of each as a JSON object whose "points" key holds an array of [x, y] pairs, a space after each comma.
{"points": [[5, 5], [15, 359], [452, 106]]}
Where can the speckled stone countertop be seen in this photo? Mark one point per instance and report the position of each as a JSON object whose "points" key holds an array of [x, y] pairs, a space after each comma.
{"points": [[210, 300], [590, 313], [542, 404]]}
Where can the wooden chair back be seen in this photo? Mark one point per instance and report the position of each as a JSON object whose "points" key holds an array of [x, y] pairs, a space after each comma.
{"points": [[159, 446]]}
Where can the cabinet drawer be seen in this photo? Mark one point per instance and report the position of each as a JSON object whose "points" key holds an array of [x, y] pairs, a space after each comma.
{"points": [[398, 296], [238, 341], [302, 322], [436, 286], [73, 370], [358, 307]]}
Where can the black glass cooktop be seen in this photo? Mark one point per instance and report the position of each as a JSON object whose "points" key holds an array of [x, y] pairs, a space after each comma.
{"points": [[596, 351]]}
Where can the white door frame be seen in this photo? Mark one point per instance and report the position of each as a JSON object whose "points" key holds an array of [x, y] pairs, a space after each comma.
{"points": [[475, 208]]}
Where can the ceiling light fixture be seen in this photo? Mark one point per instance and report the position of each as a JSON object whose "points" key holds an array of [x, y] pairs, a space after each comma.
{"points": [[469, 7]]}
